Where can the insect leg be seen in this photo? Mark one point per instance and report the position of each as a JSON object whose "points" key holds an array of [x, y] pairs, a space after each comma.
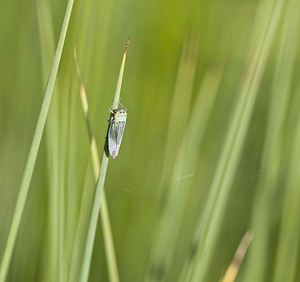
{"points": [[122, 105]]}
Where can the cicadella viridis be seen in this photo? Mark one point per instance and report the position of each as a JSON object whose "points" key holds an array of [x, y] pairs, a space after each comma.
{"points": [[117, 123]]}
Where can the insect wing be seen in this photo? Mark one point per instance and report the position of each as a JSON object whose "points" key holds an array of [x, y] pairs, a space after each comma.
{"points": [[116, 131]]}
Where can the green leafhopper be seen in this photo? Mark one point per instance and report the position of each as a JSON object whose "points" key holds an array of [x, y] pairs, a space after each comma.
{"points": [[117, 123]]}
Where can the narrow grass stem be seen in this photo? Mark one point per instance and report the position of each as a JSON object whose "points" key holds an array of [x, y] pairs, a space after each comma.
{"points": [[107, 233], [233, 268], [86, 262], [27, 175], [119, 84], [87, 257]]}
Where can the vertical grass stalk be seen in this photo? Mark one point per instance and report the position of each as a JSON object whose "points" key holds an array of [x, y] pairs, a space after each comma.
{"points": [[27, 175], [107, 233], [86, 262]]}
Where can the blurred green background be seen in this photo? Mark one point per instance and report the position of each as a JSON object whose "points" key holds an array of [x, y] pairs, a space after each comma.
{"points": [[189, 66]]}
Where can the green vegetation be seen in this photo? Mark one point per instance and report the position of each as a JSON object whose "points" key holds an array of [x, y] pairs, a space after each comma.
{"points": [[210, 150]]}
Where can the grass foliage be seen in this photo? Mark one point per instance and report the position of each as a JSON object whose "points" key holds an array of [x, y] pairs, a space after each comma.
{"points": [[210, 148]]}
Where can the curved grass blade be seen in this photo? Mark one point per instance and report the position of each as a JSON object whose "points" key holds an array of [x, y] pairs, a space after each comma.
{"points": [[24, 188]]}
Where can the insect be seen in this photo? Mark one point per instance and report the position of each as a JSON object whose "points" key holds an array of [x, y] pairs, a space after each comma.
{"points": [[117, 123]]}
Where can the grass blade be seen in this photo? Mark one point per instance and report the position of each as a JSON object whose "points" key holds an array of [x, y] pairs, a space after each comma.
{"points": [[99, 188], [47, 46], [288, 244], [107, 233], [27, 175], [180, 103], [119, 84], [233, 268], [209, 226], [268, 186]]}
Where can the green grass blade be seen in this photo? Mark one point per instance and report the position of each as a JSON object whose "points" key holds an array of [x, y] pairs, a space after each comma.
{"points": [[119, 84], [27, 175], [180, 103], [47, 43], [287, 258], [104, 214], [86, 262], [184, 163], [273, 149], [200, 115], [207, 232]]}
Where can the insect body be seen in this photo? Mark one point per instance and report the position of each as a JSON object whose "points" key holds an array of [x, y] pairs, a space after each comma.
{"points": [[117, 123]]}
